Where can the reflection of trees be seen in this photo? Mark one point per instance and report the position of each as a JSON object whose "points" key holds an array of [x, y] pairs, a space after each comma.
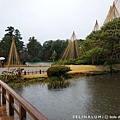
{"points": [[58, 84], [19, 90]]}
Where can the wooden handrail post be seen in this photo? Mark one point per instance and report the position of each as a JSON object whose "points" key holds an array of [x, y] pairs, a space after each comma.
{"points": [[22, 112], [3, 97], [24, 106], [11, 101], [40, 71], [24, 72]]}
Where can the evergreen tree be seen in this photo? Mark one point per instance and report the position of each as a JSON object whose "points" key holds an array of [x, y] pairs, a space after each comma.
{"points": [[7, 40], [34, 49]]}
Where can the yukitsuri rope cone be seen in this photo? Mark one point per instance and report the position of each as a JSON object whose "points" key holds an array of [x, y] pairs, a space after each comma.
{"points": [[72, 50], [13, 59], [114, 12]]}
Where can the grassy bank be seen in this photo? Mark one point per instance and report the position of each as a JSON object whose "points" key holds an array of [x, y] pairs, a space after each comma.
{"points": [[77, 71]]}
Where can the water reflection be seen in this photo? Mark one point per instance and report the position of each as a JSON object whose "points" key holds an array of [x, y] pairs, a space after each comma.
{"points": [[91, 95], [58, 84], [105, 94]]}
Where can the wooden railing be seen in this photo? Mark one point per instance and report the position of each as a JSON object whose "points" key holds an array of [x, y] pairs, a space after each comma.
{"points": [[8, 94], [33, 72]]}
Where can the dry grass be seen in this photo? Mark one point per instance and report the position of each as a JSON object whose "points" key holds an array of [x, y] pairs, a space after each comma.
{"points": [[75, 69], [83, 69], [35, 76]]}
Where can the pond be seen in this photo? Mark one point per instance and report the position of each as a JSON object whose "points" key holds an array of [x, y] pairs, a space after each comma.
{"points": [[82, 98], [40, 63]]}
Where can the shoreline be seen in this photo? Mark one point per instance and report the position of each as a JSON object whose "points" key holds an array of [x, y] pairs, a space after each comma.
{"points": [[84, 70], [75, 69], [76, 73]]}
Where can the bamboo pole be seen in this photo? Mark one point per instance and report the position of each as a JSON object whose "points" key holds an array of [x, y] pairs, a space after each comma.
{"points": [[13, 56]]}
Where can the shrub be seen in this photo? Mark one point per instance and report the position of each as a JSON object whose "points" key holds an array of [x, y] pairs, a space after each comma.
{"points": [[58, 71]]}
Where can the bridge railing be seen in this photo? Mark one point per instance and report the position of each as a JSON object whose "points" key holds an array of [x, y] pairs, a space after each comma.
{"points": [[9, 95]]}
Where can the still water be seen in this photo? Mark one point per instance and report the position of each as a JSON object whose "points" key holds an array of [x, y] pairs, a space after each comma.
{"points": [[39, 63], [86, 96]]}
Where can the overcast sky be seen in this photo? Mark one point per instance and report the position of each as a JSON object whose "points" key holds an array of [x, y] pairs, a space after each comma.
{"points": [[52, 19]]}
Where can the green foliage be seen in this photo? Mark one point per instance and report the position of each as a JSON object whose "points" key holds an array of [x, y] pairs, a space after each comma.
{"points": [[9, 30], [47, 50], [58, 71], [40, 79], [59, 47], [94, 56], [54, 78], [108, 38], [97, 49], [95, 35], [50, 46], [70, 62], [5, 45], [6, 41], [53, 56], [90, 44], [67, 62], [34, 49]]}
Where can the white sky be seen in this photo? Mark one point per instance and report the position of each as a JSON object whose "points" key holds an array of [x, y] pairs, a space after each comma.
{"points": [[52, 19]]}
